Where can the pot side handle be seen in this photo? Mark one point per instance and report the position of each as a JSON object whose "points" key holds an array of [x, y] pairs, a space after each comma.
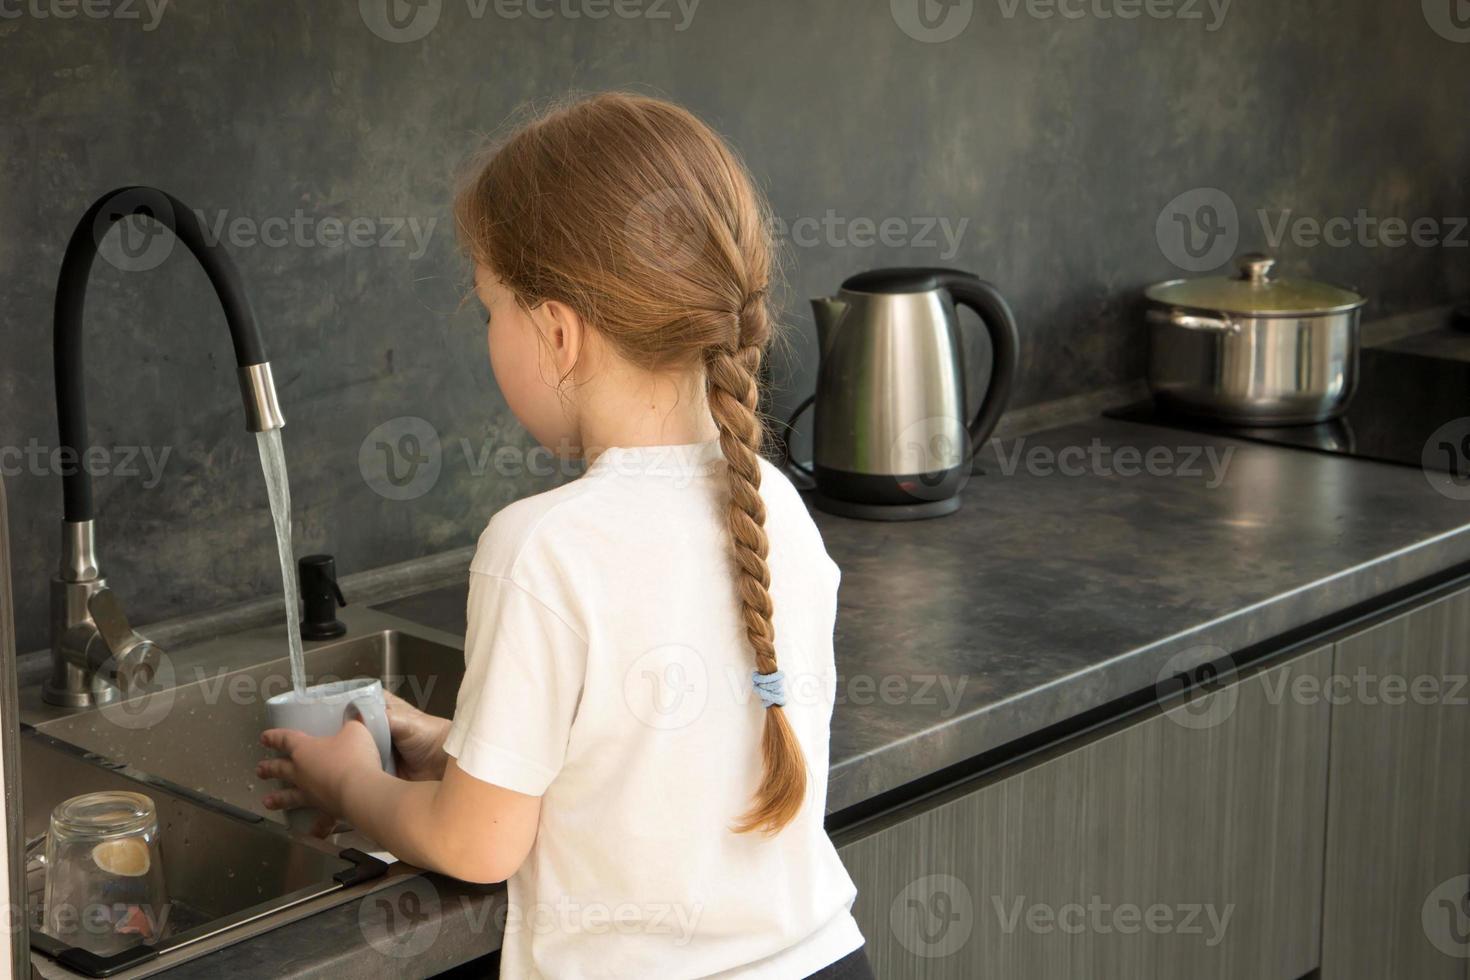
{"points": [[1193, 321]]}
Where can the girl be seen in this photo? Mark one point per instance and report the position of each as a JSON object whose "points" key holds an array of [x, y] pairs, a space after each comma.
{"points": [[640, 740]]}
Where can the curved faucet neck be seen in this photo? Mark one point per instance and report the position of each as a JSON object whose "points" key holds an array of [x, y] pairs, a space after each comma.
{"points": [[257, 387]]}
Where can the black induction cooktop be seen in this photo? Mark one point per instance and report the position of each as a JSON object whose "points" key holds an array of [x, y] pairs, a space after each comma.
{"points": [[1412, 407]]}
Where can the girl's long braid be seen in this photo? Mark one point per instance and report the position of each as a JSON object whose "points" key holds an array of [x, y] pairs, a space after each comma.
{"points": [[733, 395]]}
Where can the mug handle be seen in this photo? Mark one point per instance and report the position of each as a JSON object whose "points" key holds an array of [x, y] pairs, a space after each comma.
{"points": [[373, 713]]}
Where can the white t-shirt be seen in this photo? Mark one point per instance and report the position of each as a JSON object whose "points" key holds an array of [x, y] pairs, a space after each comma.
{"points": [[607, 671]]}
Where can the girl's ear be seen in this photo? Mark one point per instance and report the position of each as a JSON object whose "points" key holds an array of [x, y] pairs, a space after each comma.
{"points": [[565, 335]]}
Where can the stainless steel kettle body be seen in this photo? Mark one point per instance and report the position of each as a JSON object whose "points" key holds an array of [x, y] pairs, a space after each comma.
{"points": [[891, 440]]}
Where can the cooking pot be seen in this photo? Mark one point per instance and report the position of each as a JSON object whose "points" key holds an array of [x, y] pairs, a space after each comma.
{"points": [[1253, 348]]}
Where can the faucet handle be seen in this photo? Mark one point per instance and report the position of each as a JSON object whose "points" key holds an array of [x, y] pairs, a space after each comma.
{"points": [[135, 657]]}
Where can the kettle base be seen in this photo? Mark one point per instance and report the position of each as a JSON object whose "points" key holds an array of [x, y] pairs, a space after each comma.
{"points": [[886, 512]]}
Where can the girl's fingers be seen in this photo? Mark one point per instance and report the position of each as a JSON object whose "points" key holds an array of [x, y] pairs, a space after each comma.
{"points": [[402, 716], [276, 769], [281, 739], [285, 799]]}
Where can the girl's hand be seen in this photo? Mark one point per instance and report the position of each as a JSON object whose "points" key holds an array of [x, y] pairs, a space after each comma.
{"points": [[318, 769], [418, 739]]}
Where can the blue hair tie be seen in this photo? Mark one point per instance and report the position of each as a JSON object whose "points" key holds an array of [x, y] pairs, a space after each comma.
{"points": [[771, 688]]}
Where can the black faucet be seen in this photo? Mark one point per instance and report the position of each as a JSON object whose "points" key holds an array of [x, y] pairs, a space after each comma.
{"points": [[95, 654]]}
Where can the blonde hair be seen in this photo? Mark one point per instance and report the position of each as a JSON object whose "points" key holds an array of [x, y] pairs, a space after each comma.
{"points": [[635, 214]]}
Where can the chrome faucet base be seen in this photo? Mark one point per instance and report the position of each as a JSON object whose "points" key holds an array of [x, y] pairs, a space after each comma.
{"points": [[64, 695], [71, 685], [96, 657]]}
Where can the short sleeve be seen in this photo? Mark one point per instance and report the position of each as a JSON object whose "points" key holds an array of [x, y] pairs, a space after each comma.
{"points": [[523, 679]]}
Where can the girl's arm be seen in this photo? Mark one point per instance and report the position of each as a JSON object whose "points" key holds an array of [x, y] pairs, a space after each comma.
{"points": [[459, 826]]}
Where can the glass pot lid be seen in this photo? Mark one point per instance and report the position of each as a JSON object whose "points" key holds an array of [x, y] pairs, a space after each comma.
{"points": [[1255, 291]]}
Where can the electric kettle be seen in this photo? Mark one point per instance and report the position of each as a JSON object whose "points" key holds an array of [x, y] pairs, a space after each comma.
{"points": [[890, 437]]}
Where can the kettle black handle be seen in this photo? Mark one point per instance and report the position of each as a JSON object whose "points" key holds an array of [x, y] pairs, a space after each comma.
{"points": [[1005, 343]]}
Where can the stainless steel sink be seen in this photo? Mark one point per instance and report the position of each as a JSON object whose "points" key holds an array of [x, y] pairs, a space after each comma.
{"points": [[204, 733], [193, 741], [221, 871]]}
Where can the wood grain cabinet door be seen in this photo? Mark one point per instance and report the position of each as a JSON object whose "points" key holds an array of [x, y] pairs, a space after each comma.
{"points": [[1188, 845], [1398, 824]]}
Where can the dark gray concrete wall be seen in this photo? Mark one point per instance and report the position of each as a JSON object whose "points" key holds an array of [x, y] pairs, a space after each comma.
{"points": [[1048, 152]]}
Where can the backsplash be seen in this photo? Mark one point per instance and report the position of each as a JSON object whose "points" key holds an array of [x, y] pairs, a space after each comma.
{"points": [[1029, 141]]}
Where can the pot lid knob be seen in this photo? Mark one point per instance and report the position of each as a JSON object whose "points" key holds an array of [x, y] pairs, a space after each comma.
{"points": [[1256, 267]]}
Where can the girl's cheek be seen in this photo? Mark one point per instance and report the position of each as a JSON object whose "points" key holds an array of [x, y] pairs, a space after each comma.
{"points": [[525, 375]]}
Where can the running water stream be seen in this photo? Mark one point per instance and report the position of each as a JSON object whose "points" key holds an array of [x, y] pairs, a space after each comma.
{"points": [[273, 462]]}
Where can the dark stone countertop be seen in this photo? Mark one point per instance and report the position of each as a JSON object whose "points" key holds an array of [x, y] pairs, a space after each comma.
{"points": [[1048, 595]]}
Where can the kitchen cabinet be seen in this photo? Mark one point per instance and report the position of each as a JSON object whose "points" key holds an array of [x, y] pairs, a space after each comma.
{"points": [[1398, 834], [1185, 844]]}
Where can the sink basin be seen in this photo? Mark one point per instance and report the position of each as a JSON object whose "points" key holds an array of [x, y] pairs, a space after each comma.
{"points": [[203, 733], [220, 870], [192, 743]]}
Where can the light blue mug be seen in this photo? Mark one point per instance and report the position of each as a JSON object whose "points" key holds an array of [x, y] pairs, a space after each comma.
{"points": [[322, 710]]}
